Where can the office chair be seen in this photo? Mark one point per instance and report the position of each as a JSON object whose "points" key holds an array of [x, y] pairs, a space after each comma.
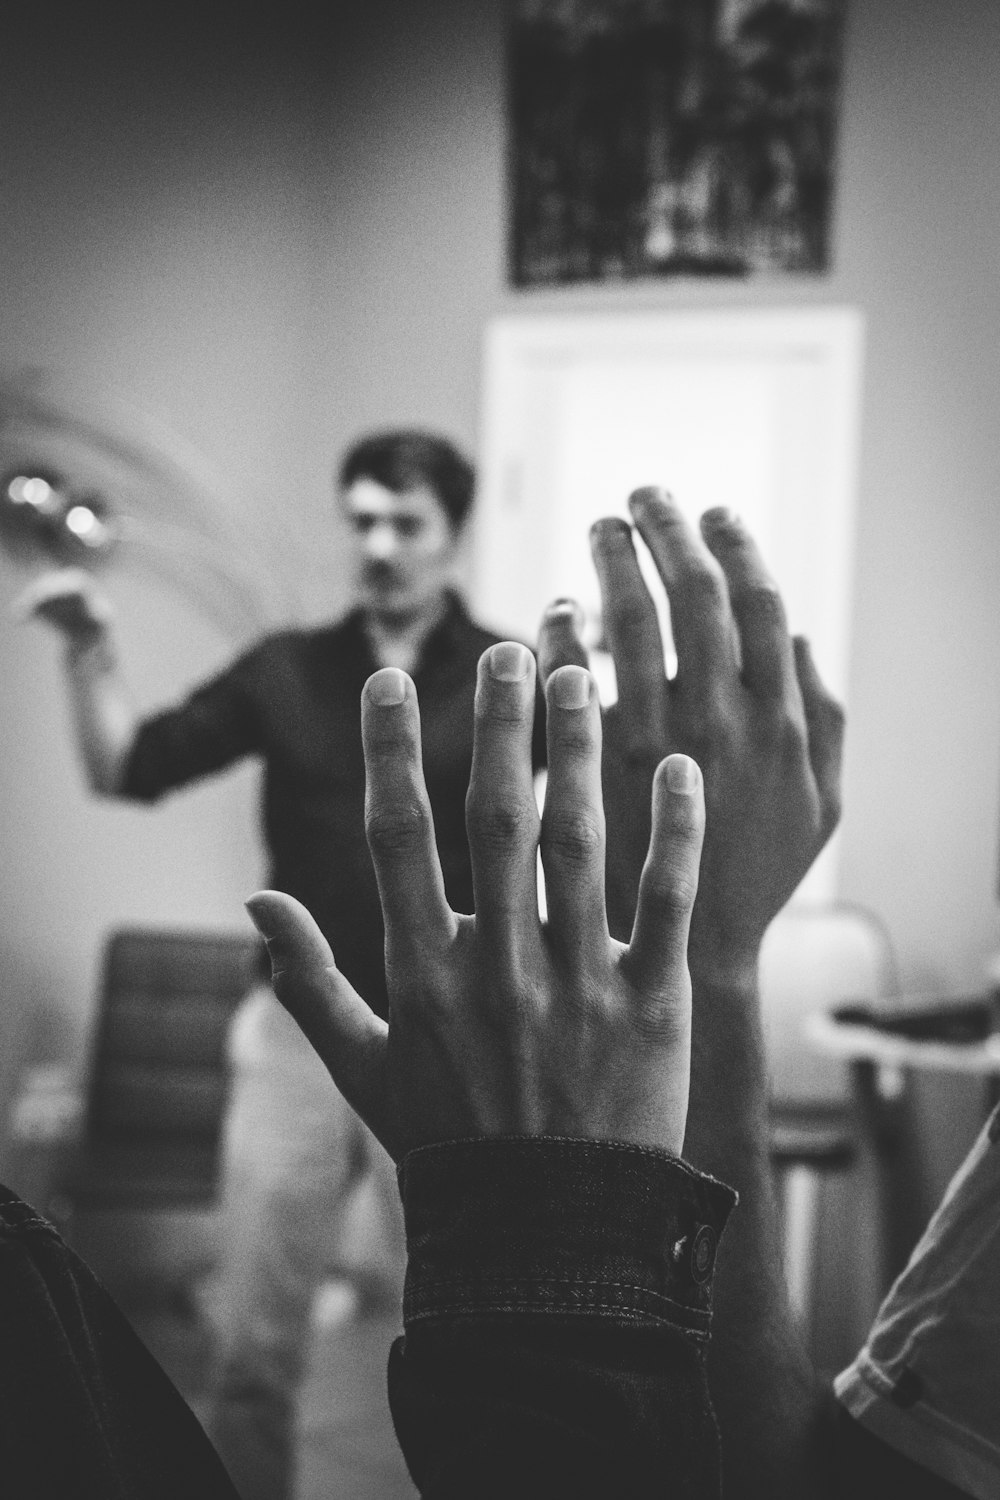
{"points": [[156, 1082]]}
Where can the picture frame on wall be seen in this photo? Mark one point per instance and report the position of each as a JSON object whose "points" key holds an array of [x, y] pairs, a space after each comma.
{"points": [[655, 138]]}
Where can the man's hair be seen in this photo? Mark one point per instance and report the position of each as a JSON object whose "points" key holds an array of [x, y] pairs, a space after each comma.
{"points": [[407, 459]]}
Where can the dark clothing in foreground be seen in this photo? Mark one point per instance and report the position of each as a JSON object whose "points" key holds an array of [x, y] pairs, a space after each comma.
{"points": [[556, 1322], [557, 1309], [86, 1413], [294, 699]]}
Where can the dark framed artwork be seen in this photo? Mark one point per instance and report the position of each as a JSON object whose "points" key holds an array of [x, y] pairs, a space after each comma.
{"points": [[664, 137]]}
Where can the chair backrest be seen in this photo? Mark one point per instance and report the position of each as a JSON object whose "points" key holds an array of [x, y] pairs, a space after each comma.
{"points": [[817, 957], [158, 1065]]}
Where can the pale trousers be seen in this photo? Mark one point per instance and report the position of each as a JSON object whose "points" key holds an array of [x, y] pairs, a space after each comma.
{"points": [[293, 1152]]}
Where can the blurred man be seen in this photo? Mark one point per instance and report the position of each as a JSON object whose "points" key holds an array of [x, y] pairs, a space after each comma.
{"points": [[293, 1149]]}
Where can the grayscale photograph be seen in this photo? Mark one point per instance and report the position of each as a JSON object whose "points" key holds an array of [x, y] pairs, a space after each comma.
{"points": [[500, 750]]}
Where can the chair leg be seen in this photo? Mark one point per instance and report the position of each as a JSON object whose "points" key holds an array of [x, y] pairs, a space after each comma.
{"points": [[800, 1190]]}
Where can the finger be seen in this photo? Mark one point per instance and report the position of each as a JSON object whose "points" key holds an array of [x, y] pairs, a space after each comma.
{"points": [[631, 627], [572, 837], [657, 955], [501, 814], [347, 1035], [825, 726], [765, 645], [700, 616], [559, 638], [398, 821]]}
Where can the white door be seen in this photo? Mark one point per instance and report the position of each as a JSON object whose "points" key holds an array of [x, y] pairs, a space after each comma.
{"points": [[754, 409]]}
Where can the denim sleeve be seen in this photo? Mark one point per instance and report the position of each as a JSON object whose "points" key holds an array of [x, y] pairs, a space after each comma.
{"points": [[556, 1311]]}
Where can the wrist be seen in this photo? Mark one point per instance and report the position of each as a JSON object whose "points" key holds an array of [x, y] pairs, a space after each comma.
{"points": [[89, 644], [507, 1226], [723, 968]]}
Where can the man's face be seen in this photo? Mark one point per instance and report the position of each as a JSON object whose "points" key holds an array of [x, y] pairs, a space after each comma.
{"points": [[404, 547]]}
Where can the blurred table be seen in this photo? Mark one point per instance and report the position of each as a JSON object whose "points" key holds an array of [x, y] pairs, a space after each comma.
{"points": [[882, 1065]]}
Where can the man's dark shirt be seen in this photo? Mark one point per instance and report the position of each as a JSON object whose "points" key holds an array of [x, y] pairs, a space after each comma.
{"points": [[294, 699]]}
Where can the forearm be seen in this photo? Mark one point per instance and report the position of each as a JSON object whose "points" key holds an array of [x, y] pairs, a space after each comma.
{"points": [[554, 1330], [103, 718], [763, 1386]]}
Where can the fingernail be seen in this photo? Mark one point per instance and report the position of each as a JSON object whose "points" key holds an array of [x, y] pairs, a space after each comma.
{"points": [[682, 775], [720, 515], [509, 662], [253, 914], [646, 494], [571, 687], [388, 687], [565, 612], [611, 528]]}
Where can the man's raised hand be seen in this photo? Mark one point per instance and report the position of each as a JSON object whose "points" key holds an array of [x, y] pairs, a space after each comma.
{"points": [[69, 600]]}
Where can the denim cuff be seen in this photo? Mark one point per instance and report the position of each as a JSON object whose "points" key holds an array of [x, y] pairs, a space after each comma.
{"points": [[507, 1225]]}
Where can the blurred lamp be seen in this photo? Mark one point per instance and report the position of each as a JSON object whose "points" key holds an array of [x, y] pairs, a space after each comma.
{"points": [[43, 521]]}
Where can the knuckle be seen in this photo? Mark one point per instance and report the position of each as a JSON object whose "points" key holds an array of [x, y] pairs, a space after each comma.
{"points": [[703, 590], [777, 732], [396, 829], [628, 611], [574, 734], [500, 707], [388, 742], [709, 732], [831, 808], [497, 825], [573, 836], [763, 604], [672, 890], [836, 717]]}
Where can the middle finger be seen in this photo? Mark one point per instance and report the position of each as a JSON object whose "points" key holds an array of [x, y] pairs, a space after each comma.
{"points": [[501, 814], [573, 819]]}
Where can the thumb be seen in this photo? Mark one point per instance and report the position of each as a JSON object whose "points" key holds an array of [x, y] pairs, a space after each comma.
{"points": [[345, 1033]]}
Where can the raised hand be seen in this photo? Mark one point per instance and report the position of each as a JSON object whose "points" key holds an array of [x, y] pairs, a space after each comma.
{"points": [[69, 600], [498, 1024], [746, 703]]}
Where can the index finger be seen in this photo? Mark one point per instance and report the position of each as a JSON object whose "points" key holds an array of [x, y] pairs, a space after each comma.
{"points": [[398, 821], [631, 627]]}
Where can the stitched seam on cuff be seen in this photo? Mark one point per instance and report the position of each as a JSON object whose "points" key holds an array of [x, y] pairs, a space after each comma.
{"points": [[528, 1294], [696, 1330]]}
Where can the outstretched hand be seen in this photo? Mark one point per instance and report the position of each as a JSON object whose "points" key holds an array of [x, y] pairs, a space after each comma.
{"points": [[69, 600], [500, 1024], [746, 702]]}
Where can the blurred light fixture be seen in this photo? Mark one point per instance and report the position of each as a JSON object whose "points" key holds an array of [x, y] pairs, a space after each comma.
{"points": [[43, 521]]}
